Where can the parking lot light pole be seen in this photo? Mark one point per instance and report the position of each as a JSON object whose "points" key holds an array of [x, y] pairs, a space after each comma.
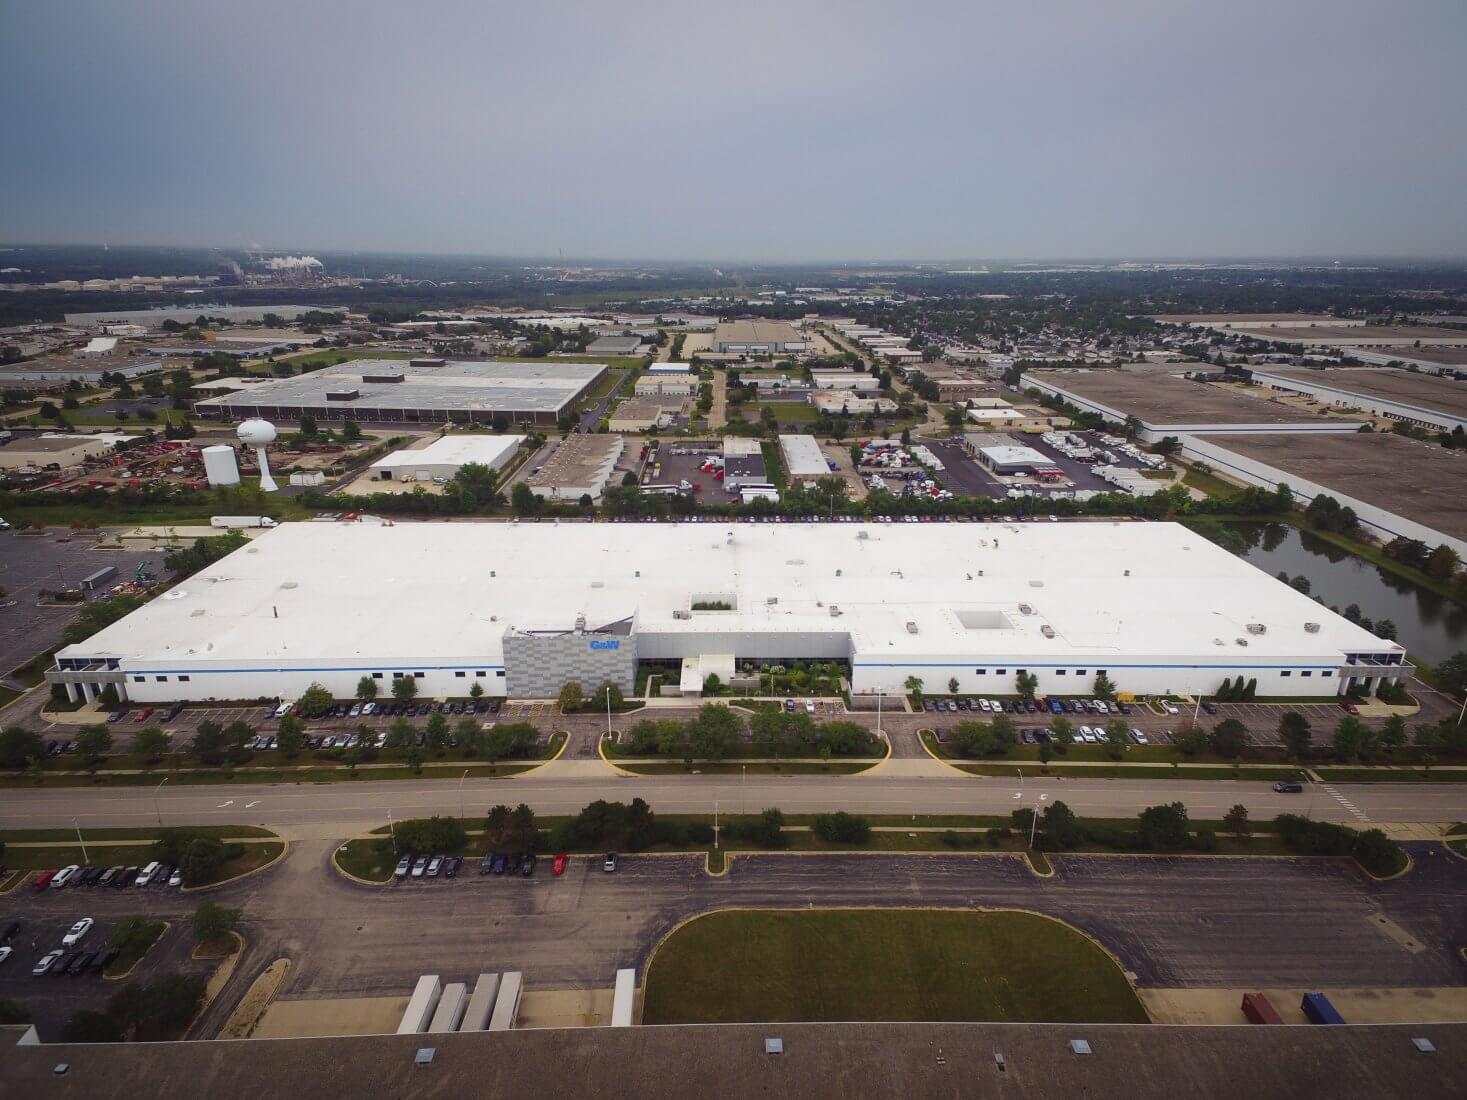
{"points": [[157, 808], [461, 792], [1034, 818], [80, 841], [391, 828], [715, 824]]}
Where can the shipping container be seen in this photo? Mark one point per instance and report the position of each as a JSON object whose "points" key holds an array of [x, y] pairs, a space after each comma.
{"points": [[421, 1005], [450, 1011], [241, 521], [1259, 1011], [481, 1004], [99, 578], [1318, 1009], [625, 998], [507, 1003]]}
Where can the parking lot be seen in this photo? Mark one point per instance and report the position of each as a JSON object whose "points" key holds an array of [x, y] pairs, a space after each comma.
{"points": [[57, 559], [686, 467], [964, 474]]}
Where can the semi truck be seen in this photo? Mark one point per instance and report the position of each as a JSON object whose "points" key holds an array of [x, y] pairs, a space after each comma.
{"points": [[241, 521], [1318, 1009]]}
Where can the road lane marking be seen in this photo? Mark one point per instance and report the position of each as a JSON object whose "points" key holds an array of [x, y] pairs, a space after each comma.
{"points": [[223, 804], [250, 804]]}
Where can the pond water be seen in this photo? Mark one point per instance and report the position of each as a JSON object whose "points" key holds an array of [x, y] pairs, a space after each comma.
{"points": [[1431, 627]]}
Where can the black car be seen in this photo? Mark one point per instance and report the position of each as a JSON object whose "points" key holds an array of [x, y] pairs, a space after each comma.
{"points": [[125, 877], [1209, 707], [529, 867], [63, 964], [1289, 788], [487, 863], [84, 963], [106, 959], [163, 874], [451, 866], [78, 878], [516, 861]]}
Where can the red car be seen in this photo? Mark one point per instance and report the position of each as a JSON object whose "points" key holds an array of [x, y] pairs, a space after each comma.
{"points": [[43, 878], [1350, 708], [556, 868], [142, 715]]}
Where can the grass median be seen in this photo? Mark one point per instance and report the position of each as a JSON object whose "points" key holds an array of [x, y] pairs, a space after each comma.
{"points": [[865, 964]]}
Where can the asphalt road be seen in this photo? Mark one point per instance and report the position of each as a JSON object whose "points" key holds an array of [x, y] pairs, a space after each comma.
{"points": [[1171, 921], [338, 809]]}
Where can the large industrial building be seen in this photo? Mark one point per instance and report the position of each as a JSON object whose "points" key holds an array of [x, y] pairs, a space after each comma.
{"points": [[533, 391], [522, 608], [758, 338], [1166, 404], [445, 456], [1421, 400], [89, 370], [187, 315]]}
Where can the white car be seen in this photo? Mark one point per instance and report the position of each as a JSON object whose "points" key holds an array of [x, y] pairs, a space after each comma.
{"points": [[4, 953], [1170, 708], [282, 710], [78, 930], [1138, 736], [984, 704], [63, 876], [44, 964], [175, 879], [809, 706], [1100, 706], [355, 711], [1088, 735]]}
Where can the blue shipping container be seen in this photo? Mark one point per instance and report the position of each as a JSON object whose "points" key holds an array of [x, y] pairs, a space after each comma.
{"points": [[1317, 1008]]}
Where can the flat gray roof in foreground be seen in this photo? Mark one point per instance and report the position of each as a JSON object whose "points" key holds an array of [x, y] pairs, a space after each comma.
{"points": [[851, 1061], [1423, 482], [519, 386]]}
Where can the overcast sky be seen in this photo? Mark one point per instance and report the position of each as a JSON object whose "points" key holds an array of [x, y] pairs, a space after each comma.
{"points": [[777, 131]]}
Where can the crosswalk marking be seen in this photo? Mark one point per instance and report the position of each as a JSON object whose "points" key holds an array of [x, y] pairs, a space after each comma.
{"points": [[1355, 810]]}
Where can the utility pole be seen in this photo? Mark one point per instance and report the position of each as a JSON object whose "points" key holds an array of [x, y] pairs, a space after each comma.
{"points": [[715, 824], [80, 841], [1034, 818], [461, 792], [157, 808], [391, 828]]}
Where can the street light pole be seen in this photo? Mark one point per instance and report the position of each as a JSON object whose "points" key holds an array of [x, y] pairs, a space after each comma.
{"points": [[80, 841], [391, 828], [461, 792], [1034, 818], [715, 823], [157, 808]]}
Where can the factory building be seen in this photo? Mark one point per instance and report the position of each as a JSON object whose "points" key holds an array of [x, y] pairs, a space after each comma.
{"points": [[758, 338], [445, 456], [522, 608], [1422, 401]]}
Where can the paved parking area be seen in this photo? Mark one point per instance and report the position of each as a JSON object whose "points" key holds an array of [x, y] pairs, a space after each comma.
{"points": [[57, 559], [685, 467], [964, 475]]}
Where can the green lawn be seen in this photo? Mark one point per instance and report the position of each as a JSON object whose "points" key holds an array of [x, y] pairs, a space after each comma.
{"points": [[732, 767], [18, 836], [785, 411], [222, 776], [871, 964], [130, 955], [1133, 771], [1390, 775]]}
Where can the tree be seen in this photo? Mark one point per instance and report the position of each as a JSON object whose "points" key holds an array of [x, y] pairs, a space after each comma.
{"points": [[89, 1026], [292, 735], [400, 734], [208, 742], [201, 857], [405, 688], [366, 689], [308, 425], [1451, 674], [1027, 683], [496, 825], [1295, 733], [437, 732], [1103, 687], [521, 834], [1046, 752], [150, 744], [1393, 734], [214, 922], [571, 697], [606, 694], [1229, 738], [523, 500], [1235, 821], [315, 700], [1060, 825], [93, 744], [1116, 732], [913, 684], [1350, 739], [351, 431], [974, 738], [714, 733], [1442, 563], [1163, 828], [1062, 733], [476, 691], [17, 746], [841, 828], [1190, 738]]}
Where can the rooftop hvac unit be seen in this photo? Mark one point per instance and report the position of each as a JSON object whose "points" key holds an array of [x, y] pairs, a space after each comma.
{"points": [[770, 601], [342, 395], [1241, 641], [911, 628], [1257, 628], [580, 624], [834, 611], [863, 534], [1047, 630], [1311, 628], [383, 377], [1036, 584], [679, 614], [1025, 609]]}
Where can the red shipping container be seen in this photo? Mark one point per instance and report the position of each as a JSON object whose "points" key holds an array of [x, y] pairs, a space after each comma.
{"points": [[1258, 1010]]}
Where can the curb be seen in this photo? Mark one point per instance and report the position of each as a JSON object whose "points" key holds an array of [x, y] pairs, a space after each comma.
{"points": [[945, 763], [284, 851], [601, 752], [138, 961], [344, 873]]}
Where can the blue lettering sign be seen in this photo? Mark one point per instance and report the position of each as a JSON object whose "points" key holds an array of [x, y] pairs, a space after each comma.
{"points": [[611, 644]]}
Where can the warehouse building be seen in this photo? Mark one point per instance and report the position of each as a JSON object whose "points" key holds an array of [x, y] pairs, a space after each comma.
{"points": [[1400, 488], [186, 315], [522, 608], [1423, 401], [58, 449], [665, 384], [844, 380], [843, 401], [758, 338], [89, 370], [445, 456], [1168, 405], [643, 414], [615, 346], [529, 391], [580, 465], [803, 457]]}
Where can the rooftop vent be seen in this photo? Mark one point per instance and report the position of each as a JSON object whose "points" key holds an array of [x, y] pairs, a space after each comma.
{"points": [[863, 535], [681, 614], [770, 601], [1047, 630], [1257, 628], [774, 1045], [835, 611], [1025, 609], [1311, 628], [1241, 641], [1425, 1046], [1036, 584], [1079, 1046], [911, 627]]}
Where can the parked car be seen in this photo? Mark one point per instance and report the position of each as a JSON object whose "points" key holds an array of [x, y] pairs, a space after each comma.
{"points": [[609, 864], [435, 865], [404, 866], [176, 878], [1289, 788], [1169, 707], [1138, 736], [558, 867], [107, 958], [5, 953], [1027, 736], [1208, 707], [63, 876], [451, 866], [420, 866], [145, 876], [85, 876], [46, 962], [109, 875], [1124, 708], [78, 930], [142, 715], [83, 963], [487, 863], [928, 705], [1350, 708], [117, 716], [501, 863], [172, 712]]}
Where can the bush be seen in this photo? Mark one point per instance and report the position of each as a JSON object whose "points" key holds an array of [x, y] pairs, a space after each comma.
{"points": [[1314, 838], [700, 833], [842, 828], [432, 834], [1205, 840], [87, 1026], [159, 1009], [1378, 853], [767, 831]]}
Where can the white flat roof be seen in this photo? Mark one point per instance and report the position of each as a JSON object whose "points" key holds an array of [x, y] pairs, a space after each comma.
{"points": [[995, 414], [803, 456], [1015, 456], [455, 450], [327, 595]]}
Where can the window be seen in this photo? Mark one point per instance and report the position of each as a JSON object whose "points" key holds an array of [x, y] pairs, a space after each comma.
{"points": [[999, 671], [161, 679], [1326, 672], [417, 675], [500, 673], [183, 679], [376, 675], [1306, 674], [1286, 674], [397, 675], [980, 672], [1098, 672], [1060, 671], [459, 674], [1079, 672], [479, 673], [140, 679]]}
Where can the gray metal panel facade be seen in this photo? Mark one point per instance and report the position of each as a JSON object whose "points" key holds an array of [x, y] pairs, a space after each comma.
{"points": [[538, 665]]}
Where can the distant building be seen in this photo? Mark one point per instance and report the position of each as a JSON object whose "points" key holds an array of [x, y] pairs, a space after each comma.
{"points": [[445, 456], [615, 345], [758, 338]]}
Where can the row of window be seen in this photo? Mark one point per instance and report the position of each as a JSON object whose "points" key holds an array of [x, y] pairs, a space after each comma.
{"points": [[376, 676], [1307, 672], [1021, 671]]}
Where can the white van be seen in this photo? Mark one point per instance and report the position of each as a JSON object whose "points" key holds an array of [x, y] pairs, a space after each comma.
{"points": [[63, 876], [146, 874]]}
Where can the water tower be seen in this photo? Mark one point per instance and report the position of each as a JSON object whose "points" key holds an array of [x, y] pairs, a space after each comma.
{"points": [[256, 434]]}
